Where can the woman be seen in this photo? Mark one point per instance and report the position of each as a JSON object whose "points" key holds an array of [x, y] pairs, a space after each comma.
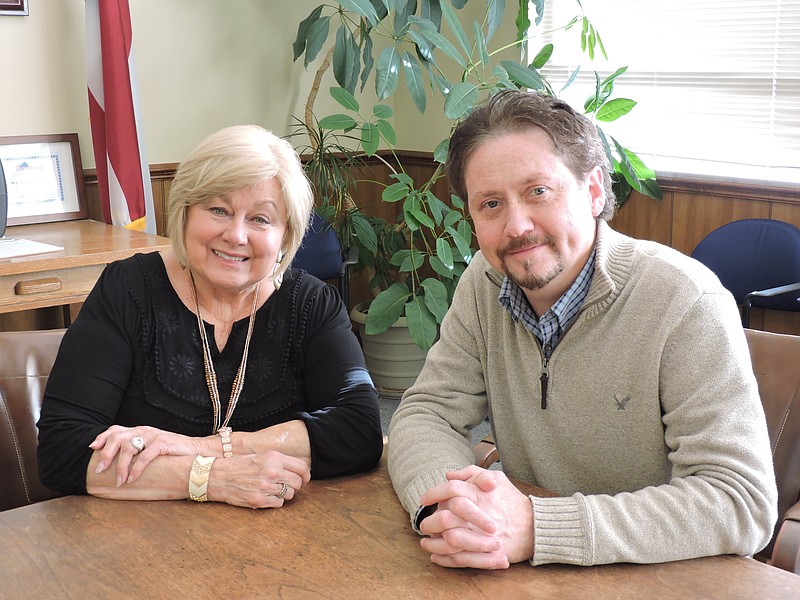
{"points": [[212, 371]]}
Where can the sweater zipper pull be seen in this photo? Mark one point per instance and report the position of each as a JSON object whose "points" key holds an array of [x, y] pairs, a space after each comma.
{"points": [[543, 379]]}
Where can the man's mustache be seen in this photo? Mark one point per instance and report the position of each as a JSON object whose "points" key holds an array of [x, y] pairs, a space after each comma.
{"points": [[525, 242]]}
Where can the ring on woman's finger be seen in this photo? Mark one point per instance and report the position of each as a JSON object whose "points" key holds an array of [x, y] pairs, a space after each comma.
{"points": [[284, 489], [138, 443]]}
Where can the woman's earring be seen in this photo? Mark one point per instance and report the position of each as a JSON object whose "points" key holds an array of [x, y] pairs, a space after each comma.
{"points": [[279, 279]]}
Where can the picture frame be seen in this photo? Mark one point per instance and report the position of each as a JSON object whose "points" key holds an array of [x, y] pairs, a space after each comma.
{"points": [[44, 178], [17, 8]]}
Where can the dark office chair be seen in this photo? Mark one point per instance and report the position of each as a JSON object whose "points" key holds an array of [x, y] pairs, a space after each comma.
{"points": [[321, 255], [758, 260]]}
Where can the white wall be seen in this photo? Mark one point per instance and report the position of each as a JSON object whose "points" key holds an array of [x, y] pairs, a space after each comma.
{"points": [[201, 65]]}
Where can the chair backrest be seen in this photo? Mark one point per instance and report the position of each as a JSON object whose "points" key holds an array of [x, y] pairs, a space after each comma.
{"points": [[754, 254], [776, 364], [320, 253], [27, 358]]}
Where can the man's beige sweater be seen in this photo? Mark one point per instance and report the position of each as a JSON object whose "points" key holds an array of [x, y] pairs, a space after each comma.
{"points": [[653, 433]]}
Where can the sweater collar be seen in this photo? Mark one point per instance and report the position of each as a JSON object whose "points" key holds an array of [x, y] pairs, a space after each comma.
{"points": [[613, 263]]}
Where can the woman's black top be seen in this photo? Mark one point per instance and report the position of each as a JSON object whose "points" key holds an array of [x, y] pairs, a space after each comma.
{"points": [[134, 356]]}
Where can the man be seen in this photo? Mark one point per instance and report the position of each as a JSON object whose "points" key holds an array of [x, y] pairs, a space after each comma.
{"points": [[614, 371]]}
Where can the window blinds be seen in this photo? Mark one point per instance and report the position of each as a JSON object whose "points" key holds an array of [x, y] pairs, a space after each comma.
{"points": [[717, 81]]}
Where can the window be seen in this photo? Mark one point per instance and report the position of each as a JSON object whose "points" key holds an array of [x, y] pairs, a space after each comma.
{"points": [[717, 81]]}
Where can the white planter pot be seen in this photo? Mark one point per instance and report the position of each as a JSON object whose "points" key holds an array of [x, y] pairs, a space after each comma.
{"points": [[392, 357]]}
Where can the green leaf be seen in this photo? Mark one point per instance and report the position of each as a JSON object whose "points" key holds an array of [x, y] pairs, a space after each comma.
{"points": [[459, 4], [370, 138], [335, 122], [462, 237], [364, 232], [456, 202], [614, 109], [432, 11], [299, 45], [386, 308], [435, 206], [424, 46], [642, 171], [606, 145], [613, 76], [539, 4], [387, 72], [367, 60], [460, 100], [387, 131], [363, 8], [480, 42], [445, 45], [444, 252], [421, 323], [422, 218], [584, 33], [627, 170], [404, 178], [503, 81], [346, 60], [345, 98], [543, 56], [441, 150], [317, 35], [403, 10], [440, 268], [435, 297], [523, 76], [395, 192], [382, 111], [495, 16], [451, 218], [414, 82], [455, 26], [413, 261], [465, 242], [572, 77]]}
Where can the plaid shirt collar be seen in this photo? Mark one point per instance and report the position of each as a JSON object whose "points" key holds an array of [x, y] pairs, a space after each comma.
{"points": [[552, 324]]}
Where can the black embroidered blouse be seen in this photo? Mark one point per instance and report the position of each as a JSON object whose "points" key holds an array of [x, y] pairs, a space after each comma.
{"points": [[133, 356]]}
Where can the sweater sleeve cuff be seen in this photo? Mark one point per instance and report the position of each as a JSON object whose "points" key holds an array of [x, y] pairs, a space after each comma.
{"points": [[561, 531]]}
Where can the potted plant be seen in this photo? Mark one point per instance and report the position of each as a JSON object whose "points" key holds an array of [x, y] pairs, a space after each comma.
{"points": [[417, 260]]}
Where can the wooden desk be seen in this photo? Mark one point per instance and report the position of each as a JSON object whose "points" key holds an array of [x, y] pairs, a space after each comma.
{"points": [[66, 276], [340, 538]]}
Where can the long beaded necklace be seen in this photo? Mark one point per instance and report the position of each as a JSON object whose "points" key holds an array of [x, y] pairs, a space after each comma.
{"points": [[208, 363]]}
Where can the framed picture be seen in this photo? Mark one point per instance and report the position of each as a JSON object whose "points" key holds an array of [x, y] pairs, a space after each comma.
{"points": [[14, 7], [44, 178]]}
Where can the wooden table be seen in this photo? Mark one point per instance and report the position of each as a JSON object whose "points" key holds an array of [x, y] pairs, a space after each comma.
{"points": [[66, 276], [340, 538]]}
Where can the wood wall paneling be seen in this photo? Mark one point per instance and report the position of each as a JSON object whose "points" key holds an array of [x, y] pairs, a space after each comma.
{"points": [[645, 218]]}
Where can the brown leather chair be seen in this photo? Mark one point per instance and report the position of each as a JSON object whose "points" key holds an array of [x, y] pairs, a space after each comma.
{"points": [[26, 358], [776, 364]]}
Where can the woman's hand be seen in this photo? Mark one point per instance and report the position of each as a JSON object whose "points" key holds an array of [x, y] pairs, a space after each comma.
{"points": [[116, 442], [257, 480]]}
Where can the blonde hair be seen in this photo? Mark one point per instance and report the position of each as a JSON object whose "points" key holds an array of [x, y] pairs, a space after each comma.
{"points": [[231, 159]]}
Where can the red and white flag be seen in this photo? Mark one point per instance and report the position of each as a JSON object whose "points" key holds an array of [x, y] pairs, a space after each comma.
{"points": [[122, 169]]}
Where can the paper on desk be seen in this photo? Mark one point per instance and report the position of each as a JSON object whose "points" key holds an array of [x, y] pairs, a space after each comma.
{"points": [[14, 247]]}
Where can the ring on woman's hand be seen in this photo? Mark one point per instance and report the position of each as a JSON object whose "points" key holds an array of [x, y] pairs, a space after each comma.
{"points": [[138, 443], [283, 491]]}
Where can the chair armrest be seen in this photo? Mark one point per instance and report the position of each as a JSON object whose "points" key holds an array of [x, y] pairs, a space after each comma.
{"points": [[786, 553], [768, 293], [351, 258], [485, 453]]}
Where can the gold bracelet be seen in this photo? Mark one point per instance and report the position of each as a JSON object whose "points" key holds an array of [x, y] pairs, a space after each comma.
{"points": [[198, 478], [225, 435]]}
